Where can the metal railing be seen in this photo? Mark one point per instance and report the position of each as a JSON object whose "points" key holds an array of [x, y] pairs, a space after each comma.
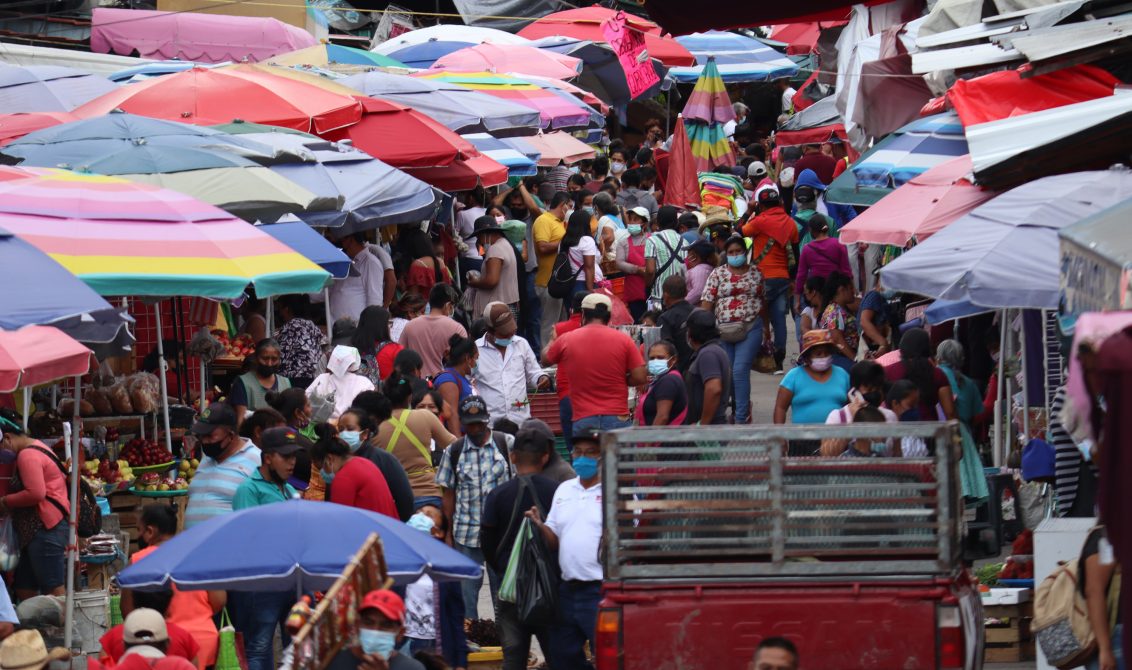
{"points": [[730, 502]]}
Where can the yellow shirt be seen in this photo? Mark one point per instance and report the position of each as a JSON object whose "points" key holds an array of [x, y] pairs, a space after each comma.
{"points": [[547, 228]]}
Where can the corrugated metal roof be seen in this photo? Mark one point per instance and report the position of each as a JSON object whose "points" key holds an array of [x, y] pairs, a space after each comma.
{"points": [[1061, 40], [979, 55], [1021, 20]]}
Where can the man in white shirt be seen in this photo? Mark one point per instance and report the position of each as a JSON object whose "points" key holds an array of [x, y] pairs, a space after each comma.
{"points": [[470, 258], [364, 286], [574, 527], [507, 366], [788, 92]]}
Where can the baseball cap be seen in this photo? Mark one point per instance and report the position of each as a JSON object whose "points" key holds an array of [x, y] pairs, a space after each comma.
{"points": [[588, 436], [214, 416], [473, 409], [283, 441], [756, 169], [343, 331], [767, 195], [386, 602], [786, 178], [597, 301], [500, 319], [144, 625], [642, 212], [533, 436]]}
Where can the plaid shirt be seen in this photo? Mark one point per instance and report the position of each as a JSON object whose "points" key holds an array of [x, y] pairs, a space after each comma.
{"points": [[481, 469]]}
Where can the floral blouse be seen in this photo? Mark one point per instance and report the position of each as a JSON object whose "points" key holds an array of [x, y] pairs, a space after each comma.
{"points": [[300, 349], [736, 297], [836, 317]]}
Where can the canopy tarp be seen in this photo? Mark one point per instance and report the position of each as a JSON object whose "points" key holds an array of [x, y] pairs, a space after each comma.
{"points": [[1003, 94], [37, 355]]}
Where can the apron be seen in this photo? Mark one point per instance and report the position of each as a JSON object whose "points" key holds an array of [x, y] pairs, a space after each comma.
{"points": [[635, 284]]}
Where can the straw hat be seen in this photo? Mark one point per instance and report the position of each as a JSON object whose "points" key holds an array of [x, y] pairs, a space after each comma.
{"points": [[815, 338], [715, 216], [24, 650]]}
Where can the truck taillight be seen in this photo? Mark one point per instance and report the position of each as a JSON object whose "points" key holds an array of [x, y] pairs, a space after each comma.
{"points": [[608, 652], [949, 632]]}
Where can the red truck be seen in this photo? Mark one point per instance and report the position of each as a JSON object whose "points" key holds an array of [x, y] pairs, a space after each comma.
{"points": [[716, 538]]}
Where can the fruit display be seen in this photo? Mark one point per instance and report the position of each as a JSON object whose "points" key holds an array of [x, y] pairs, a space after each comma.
{"points": [[107, 476], [151, 482], [1017, 567], [187, 468], [239, 347], [140, 452]]}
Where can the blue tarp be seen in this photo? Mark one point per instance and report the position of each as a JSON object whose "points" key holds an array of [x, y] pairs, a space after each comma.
{"points": [[316, 248]]}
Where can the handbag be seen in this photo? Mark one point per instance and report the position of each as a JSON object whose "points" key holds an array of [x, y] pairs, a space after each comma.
{"points": [[735, 331], [765, 361], [561, 281]]}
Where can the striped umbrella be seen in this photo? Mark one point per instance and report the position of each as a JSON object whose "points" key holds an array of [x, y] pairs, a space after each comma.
{"points": [[557, 111], [708, 108], [327, 54], [739, 58], [517, 163], [125, 238]]}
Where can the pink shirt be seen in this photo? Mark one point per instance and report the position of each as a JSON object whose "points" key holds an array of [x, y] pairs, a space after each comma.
{"points": [[41, 478], [428, 335], [696, 278]]}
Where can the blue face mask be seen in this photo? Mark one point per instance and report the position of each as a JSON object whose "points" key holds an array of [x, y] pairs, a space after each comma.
{"points": [[352, 438], [585, 467], [634, 229], [502, 341], [658, 367], [326, 476], [377, 642], [737, 261]]}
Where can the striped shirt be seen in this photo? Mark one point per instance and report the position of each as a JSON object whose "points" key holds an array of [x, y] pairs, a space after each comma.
{"points": [[215, 484], [1067, 458]]}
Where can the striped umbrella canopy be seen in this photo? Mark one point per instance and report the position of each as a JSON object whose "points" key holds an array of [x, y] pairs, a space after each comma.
{"points": [[517, 163], [708, 108], [738, 57], [520, 59], [557, 111], [326, 54], [126, 238]]}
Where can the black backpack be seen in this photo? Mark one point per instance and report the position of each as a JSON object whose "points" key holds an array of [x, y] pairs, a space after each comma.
{"points": [[90, 517], [561, 281]]}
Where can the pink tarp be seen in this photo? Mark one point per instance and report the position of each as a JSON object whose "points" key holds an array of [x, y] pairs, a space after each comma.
{"points": [[37, 355], [193, 36], [920, 208]]}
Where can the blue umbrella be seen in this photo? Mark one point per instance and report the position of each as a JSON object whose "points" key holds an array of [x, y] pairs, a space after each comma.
{"points": [[739, 58], [49, 295], [48, 88], [518, 164], [156, 69], [289, 546], [425, 54], [303, 239]]}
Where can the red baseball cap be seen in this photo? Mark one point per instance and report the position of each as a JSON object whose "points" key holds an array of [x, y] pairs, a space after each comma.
{"points": [[386, 602]]}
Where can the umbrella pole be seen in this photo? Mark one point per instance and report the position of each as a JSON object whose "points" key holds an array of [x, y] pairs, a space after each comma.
{"points": [[329, 320], [27, 407], [1025, 383], [72, 525], [164, 383], [269, 318], [998, 451], [202, 403]]}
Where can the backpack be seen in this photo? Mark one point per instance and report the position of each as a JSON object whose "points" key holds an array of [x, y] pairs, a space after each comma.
{"points": [[457, 448], [561, 281], [1061, 619], [90, 517]]}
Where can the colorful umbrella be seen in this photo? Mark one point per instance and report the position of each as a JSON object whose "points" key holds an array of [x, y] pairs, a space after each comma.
{"points": [[461, 109], [15, 126], [585, 24], [124, 238], [557, 112], [681, 187], [445, 32], [919, 208], [738, 57], [708, 108], [602, 73], [326, 54], [48, 88], [895, 160], [209, 96], [800, 38], [517, 59], [37, 355], [517, 163], [554, 148]]}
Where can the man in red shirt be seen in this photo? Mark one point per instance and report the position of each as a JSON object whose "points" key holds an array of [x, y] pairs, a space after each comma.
{"points": [[772, 230], [147, 641], [601, 363], [562, 380], [813, 159]]}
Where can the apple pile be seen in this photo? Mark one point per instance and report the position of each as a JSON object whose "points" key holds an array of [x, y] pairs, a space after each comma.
{"points": [[240, 347], [139, 452], [151, 481]]}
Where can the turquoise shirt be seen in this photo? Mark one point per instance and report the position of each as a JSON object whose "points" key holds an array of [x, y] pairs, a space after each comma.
{"points": [[256, 491]]}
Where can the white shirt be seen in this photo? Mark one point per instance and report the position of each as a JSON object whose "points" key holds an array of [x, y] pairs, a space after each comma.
{"points": [[465, 224], [788, 100], [585, 247], [502, 378], [396, 326], [420, 609], [349, 296], [729, 128], [575, 517]]}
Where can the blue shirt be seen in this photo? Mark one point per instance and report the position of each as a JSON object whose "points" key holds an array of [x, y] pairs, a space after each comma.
{"points": [[256, 491], [876, 302], [214, 486], [813, 400]]}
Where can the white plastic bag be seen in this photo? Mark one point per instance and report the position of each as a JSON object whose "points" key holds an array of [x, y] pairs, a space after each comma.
{"points": [[9, 545]]}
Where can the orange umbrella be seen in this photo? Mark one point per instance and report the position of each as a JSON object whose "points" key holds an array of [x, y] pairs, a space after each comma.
{"points": [[682, 185]]}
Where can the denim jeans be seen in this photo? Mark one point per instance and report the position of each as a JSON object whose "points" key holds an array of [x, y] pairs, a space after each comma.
{"points": [[566, 417], [601, 423], [470, 588], [742, 355], [532, 329], [515, 636], [577, 609], [1117, 650], [256, 615], [777, 295], [42, 567]]}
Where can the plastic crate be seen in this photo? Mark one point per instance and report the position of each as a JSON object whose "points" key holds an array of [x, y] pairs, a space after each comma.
{"points": [[544, 406], [617, 286], [562, 449]]}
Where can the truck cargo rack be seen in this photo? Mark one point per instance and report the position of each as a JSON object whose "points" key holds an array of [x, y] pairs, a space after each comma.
{"points": [[728, 502]]}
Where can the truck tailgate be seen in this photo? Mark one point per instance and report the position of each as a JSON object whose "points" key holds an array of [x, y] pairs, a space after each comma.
{"points": [[835, 626]]}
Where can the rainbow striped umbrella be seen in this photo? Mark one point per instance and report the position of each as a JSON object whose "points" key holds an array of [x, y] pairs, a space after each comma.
{"points": [[708, 108], [557, 111], [126, 238]]}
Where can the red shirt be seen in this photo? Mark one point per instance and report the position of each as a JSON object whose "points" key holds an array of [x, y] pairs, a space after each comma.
{"points": [[822, 165], [385, 358], [180, 642], [562, 380], [597, 360], [360, 484], [139, 662]]}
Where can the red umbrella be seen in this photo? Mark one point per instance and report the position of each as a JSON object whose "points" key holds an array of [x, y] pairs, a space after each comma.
{"points": [[37, 355], [210, 96], [682, 185], [15, 126], [463, 175], [585, 24], [800, 38]]}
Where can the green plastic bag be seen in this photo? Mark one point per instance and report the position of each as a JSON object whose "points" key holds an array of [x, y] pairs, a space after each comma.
{"points": [[115, 610], [507, 588], [227, 656]]}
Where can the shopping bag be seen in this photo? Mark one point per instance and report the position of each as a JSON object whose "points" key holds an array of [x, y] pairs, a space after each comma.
{"points": [[507, 587], [9, 545], [536, 583], [322, 403], [228, 655]]}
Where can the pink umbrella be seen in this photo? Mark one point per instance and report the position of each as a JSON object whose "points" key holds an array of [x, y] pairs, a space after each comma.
{"points": [[682, 186], [919, 208], [558, 147], [37, 355], [516, 58]]}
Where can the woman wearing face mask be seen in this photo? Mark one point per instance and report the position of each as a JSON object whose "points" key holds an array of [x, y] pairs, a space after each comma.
{"points": [[249, 391], [838, 319], [617, 164], [353, 481], [610, 227], [583, 254], [665, 403], [453, 382], [295, 407], [630, 253], [340, 381], [408, 434], [816, 387], [735, 293]]}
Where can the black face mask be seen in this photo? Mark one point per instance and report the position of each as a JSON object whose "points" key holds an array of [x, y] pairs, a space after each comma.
{"points": [[266, 370], [142, 544], [873, 398], [212, 449]]}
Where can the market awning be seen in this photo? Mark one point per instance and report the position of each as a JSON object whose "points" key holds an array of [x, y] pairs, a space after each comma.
{"points": [[584, 23], [680, 18], [316, 248], [1096, 262]]}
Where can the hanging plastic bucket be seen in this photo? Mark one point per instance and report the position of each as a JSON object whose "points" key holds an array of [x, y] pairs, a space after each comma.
{"points": [[92, 619]]}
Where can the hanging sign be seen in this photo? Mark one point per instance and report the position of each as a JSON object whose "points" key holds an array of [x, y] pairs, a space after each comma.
{"points": [[629, 44]]}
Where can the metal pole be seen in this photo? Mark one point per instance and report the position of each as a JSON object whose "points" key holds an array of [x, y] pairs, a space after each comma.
{"points": [[269, 317], [72, 526], [27, 406], [329, 320], [1025, 381], [164, 383], [999, 456], [203, 385]]}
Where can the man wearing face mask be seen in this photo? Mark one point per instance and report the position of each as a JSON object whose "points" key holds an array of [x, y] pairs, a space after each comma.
{"points": [[507, 366], [381, 627], [499, 278], [226, 462], [573, 528]]}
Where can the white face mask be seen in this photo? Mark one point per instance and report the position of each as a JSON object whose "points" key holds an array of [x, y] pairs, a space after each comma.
{"points": [[821, 364], [616, 167]]}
